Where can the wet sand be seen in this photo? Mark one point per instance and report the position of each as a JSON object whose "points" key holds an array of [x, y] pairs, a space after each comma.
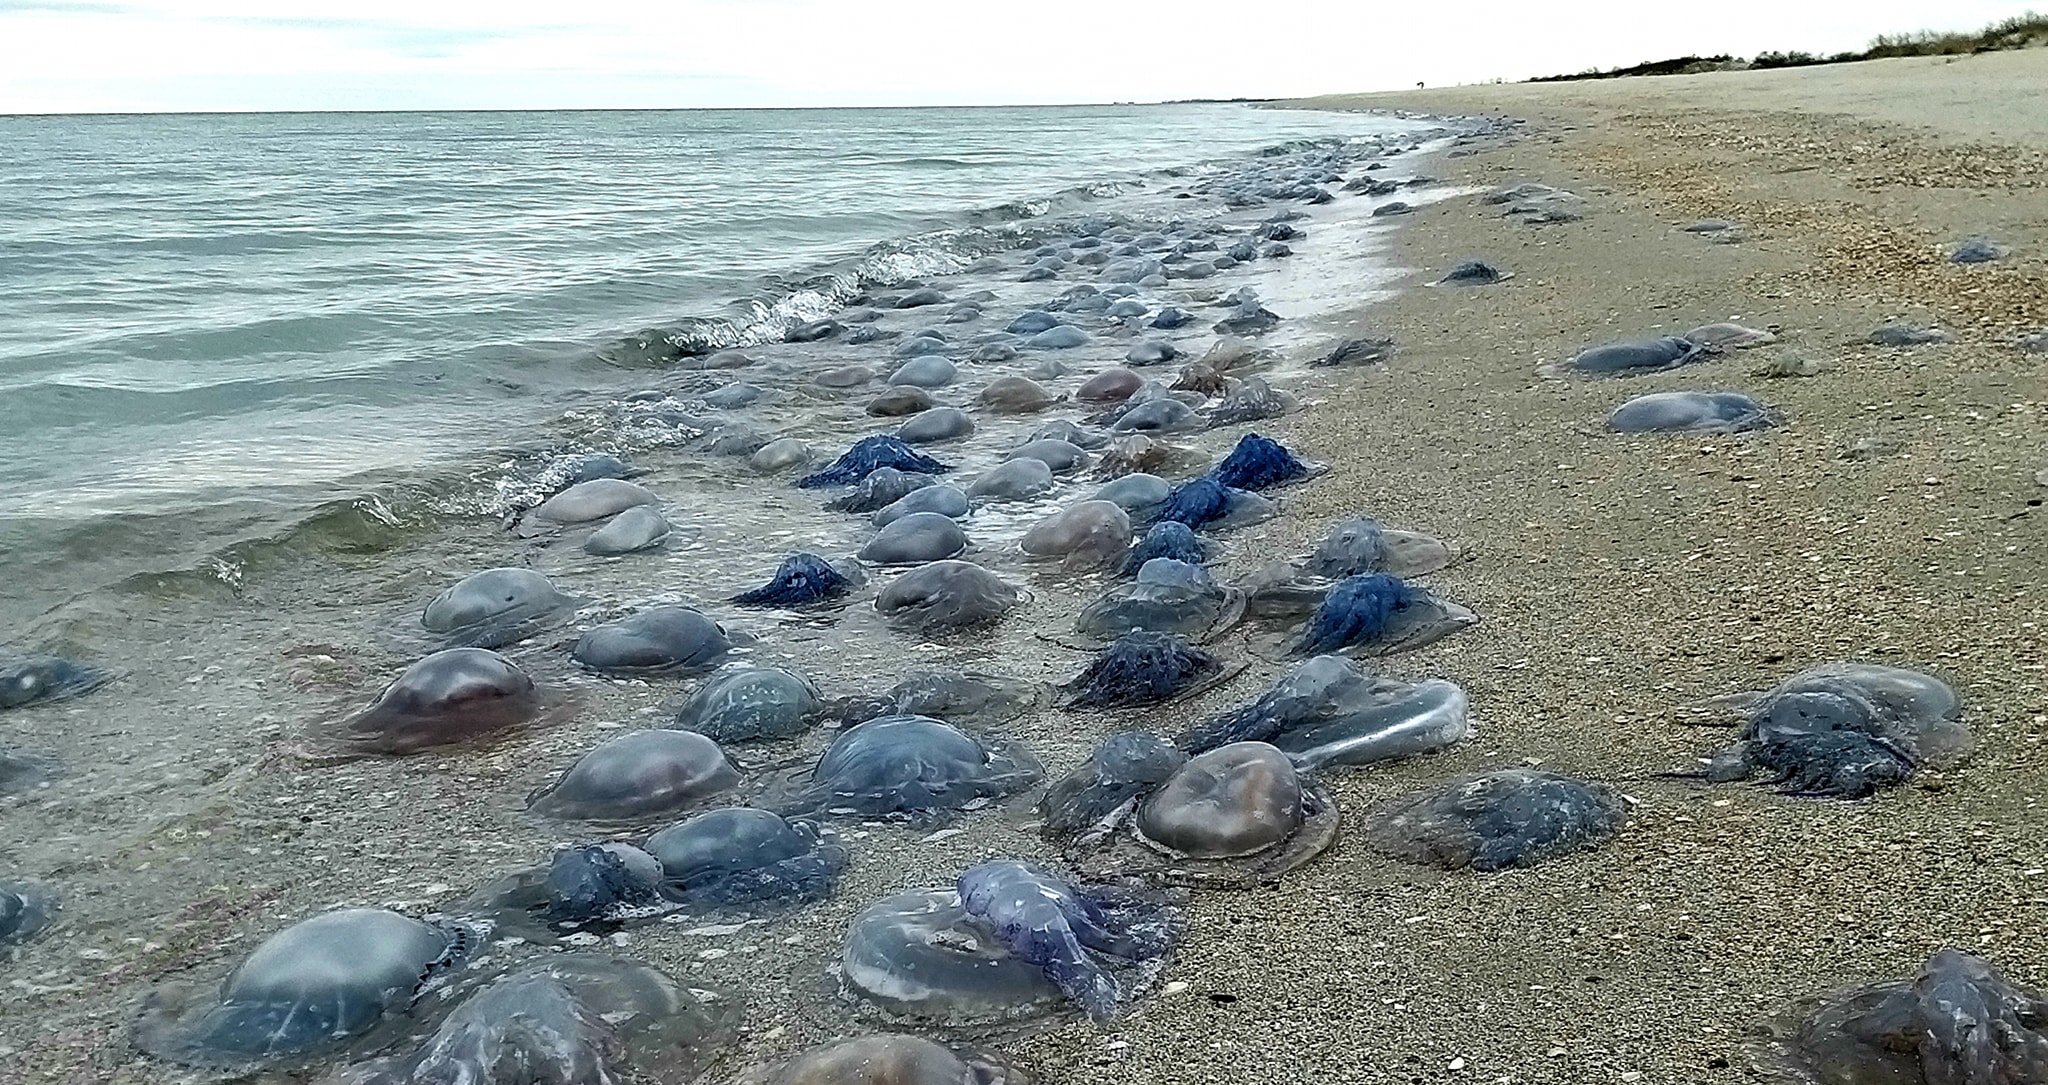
{"points": [[1619, 580]]}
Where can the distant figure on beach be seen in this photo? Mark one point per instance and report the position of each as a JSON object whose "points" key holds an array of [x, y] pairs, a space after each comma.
{"points": [[1418, 84]]}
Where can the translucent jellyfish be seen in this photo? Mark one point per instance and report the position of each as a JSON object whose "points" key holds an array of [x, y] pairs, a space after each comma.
{"points": [[1031, 322], [1154, 414], [1144, 668], [25, 771], [639, 528], [914, 767], [750, 704], [38, 679], [1379, 614], [1691, 412], [573, 1019], [914, 539], [780, 455], [1259, 463], [1368, 350], [1637, 356], [1362, 545], [1167, 596], [950, 695], [1236, 815], [1062, 337], [1201, 378], [1080, 939], [306, 991], [583, 889], [25, 911], [1204, 503], [865, 456], [1490, 821], [596, 499], [925, 371], [1978, 250], [1088, 535], [1729, 336], [802, 580], [887, 1059], [896, 401], [945, 596], [1013, 480], [1059, 429], [741, 857], [1845, 730], [1958, 1022], [1139, 494], [1474, 273], [493, 608], [1252, 400], [1096, 796], [1060, 455], [944, 500], [1328, 711], [1151, 352], [1015, 395], [637, 777], [882, 487], [656, 641], [1908, 335], [1112, 385], [455, 695], [935, 425], [1137, 453], [1169, 539]]}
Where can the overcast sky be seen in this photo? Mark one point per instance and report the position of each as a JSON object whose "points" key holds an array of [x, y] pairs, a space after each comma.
{"points": [[139, 55]]}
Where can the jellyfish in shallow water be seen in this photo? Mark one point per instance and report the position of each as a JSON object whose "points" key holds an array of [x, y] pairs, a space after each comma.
{"points": [[751, 704], [1089, 535], [881, 488], [1008, 941], [914, 767], [1094, 796], [25, 911], [1237, 815], [493, 608], [1379, 614], [306, 991], [638, 776], [1258, 463], [1252, 400], [456, 695], [593, 887], [1167, 596], [657, 641], [1328, 711], [40, 679], [594, 499], [802, 580], [866, 455], [1143, 668], [741, 857], [1958, 1022], [944, 597], [950, 695], [886, 1059], [1845, 730], [571, 1019], [1169, 539], [25, 771], [1490, 821], [1205, 502]]}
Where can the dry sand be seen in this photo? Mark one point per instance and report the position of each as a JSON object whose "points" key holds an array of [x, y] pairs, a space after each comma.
{"points": [[1623, 578]]}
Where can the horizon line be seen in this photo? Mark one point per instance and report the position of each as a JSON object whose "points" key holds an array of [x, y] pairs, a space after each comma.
{"points": [[619, 109]]}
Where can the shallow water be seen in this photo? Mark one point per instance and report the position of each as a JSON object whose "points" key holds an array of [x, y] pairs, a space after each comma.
{"points": [[189, 823]]}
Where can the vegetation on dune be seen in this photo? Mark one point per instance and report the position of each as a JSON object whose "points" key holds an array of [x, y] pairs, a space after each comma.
{"points": [[2026, 31]]}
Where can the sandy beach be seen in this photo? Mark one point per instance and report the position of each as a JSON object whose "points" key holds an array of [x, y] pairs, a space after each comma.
{"points": [[1893, 517], [1624, 579]]}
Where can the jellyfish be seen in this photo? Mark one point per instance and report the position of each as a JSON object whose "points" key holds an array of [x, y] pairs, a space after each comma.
{"points": [[751, 704], [656, 641], [1251, 401], [1089, 535], [944, 500], [1013, 480], [913, 767], [944, 597], [882, 487], [1845, 730], [1362, 545], [41, 679], [1205, 502], [1078, 939], [455, 695], [1015, 395], [1144, 668], [1379, 614], [1691, 412], [1637, 356], [1096, 795], [1327, 710], [915, 539], [887, 1059], [594, 499], [638, 776], [802, 580], [493, 608], [1491, 821], [1258, 463], [865, 456], [745, 857], [1061, 456], [26, 910], [950, 695], [1167, 596], [1168, 539]]}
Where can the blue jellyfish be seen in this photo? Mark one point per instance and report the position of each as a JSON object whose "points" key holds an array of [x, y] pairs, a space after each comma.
{"points": [[1258, 463], [802, 580], [866, 455]]}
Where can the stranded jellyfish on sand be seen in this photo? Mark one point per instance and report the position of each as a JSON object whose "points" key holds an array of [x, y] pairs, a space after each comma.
{"points": [[637, 776], [1008, 940], [1490, 821], [1204, 503], [1379, 614], [1691, 412], [1259, 463], [25, 911], [453, 696], [1637, 356], [954, 696], [1167, 596], [1144, 668], [886, 1059], [1844, 730], [1328, 711], [945, 596], [1238, 815], [573, 1019], [658, 641], [743, 857], [1093, 797], [914, 767], [493, 608], [307, 990], [1958, 1022]]}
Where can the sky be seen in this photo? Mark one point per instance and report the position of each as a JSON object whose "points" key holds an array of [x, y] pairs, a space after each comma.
{"points": [[198, 55]]}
